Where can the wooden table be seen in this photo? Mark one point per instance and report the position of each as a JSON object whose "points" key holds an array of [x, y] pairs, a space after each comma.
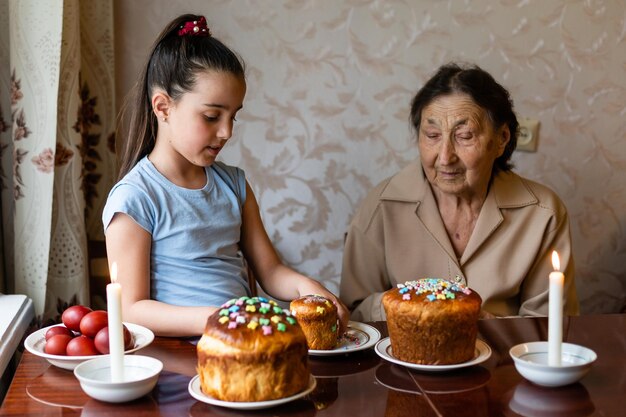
{"points": [[362, 384]]}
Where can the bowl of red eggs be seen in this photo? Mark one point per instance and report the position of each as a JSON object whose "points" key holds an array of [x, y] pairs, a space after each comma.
{"points": [[82, 335]]}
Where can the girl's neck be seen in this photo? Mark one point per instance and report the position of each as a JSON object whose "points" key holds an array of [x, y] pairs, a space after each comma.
{"points": [[178, 170]]}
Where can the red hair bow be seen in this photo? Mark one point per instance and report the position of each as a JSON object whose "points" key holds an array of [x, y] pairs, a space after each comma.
{"points": [[195, 28]]}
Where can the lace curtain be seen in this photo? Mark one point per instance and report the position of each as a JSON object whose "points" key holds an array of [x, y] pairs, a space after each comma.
{"points": [[57, 115]]}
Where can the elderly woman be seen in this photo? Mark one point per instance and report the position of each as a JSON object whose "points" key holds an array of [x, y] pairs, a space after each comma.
{"points": [[459, 212]]}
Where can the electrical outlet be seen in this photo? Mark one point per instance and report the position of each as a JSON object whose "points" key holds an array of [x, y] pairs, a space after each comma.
{"points": [[528, 135]]}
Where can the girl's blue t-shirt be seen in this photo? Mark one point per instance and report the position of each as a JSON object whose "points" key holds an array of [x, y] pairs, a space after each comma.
{"points": [[195, 257]]}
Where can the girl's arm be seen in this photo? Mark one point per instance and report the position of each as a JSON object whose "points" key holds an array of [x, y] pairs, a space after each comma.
{"points": [[275, 278], [129, 245]]}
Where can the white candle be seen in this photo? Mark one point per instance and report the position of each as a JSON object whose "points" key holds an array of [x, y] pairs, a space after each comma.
{"points": [[555, 313], [116, 333]]}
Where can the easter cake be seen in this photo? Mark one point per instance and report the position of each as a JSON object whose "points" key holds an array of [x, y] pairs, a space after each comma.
{"points": [[432, 321], [252, 350], [317, 316]]}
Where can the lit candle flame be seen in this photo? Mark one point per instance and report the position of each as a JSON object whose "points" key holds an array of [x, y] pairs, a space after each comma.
{"points": [[114, 271], [556, 264]]}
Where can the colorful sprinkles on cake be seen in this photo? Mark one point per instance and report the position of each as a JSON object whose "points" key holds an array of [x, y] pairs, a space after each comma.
{"points": [[436, 289], [237, 312]]}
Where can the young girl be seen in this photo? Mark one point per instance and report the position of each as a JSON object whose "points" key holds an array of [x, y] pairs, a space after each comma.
{"points": [[180, 225]]}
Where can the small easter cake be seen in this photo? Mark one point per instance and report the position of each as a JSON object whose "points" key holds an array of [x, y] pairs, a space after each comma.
{"points": [[317, 316], [432, 321], [252, 350]]}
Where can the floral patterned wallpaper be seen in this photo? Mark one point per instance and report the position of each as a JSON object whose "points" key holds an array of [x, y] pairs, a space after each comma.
{"points": [[329, 89]]}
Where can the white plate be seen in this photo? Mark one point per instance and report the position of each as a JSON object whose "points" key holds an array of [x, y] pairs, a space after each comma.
{"points": [[481, 354], [196, 392], [359, 336], [36, 341]]}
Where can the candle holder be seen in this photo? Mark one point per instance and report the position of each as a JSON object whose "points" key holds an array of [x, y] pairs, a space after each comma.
{"points": [[140, 376], [531, 361]]}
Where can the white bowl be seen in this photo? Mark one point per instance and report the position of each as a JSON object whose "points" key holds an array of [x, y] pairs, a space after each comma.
{"points": [[140, 376], [36, 342], [531, 361]]}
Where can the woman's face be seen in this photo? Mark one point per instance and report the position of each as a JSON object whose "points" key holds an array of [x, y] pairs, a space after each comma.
{"points": [[458, 145]]}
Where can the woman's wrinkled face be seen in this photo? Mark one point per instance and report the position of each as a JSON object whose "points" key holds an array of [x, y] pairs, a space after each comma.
{"points": [[458, 145]]}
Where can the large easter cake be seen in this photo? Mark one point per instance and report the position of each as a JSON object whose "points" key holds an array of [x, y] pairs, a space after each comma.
{"points": [[252, 350], [432, 321]]}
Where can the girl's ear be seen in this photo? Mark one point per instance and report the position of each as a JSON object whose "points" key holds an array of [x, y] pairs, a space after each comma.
{"points": [[161, 104]]}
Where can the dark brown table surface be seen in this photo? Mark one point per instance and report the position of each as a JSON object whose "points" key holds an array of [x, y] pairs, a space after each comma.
{"points": [[362, 384]]}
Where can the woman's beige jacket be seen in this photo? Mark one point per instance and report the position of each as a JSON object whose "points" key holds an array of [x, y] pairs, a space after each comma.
{"points": [[398, 235]]}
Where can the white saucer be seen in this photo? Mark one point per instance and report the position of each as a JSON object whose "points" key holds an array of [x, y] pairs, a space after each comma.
{"points": [[359, 336], [481, 354], [196, 392]]}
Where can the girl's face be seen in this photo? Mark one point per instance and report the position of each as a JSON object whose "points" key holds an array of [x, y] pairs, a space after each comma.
{"points": [[458, 145], [201, 120]]}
